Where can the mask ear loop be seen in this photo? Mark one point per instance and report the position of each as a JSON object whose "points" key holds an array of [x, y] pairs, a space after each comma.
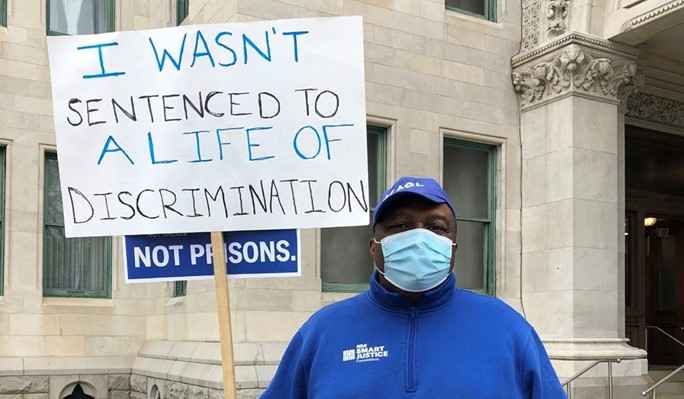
{"points": [[376, 266]]}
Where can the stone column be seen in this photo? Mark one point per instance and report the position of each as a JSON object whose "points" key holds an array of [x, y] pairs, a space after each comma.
{"points": [[570, 91]]}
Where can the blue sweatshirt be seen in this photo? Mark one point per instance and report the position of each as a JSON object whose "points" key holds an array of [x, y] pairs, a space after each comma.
{"points": [[451, 344]]}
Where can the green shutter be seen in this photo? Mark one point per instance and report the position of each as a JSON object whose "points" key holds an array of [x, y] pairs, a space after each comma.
{"points": [[2, 219], [182, 9], [72, 267], [180, 288], [3, 22]]}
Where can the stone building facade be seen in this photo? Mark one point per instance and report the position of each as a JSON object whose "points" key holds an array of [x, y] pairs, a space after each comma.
{"points": [[536, 92]]}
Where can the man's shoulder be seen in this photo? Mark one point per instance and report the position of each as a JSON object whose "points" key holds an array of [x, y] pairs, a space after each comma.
{"points": [[491, 310], [336, 312]]}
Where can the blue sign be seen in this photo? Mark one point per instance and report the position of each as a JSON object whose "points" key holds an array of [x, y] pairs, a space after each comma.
{"points": [[172, 257]]}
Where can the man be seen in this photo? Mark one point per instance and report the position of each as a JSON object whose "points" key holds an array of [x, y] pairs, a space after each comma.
{"points": [[413, 334]]}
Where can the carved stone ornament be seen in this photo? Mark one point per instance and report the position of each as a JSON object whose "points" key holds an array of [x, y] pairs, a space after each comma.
{"points": [[530, 24], [557, 16], [574, 68], [656, 109]]}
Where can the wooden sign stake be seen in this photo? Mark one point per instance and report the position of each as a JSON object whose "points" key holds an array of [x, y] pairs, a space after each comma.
{"points": [[223, 309]]}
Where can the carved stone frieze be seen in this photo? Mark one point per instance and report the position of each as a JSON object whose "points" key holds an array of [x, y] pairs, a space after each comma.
{"points": [[177, 391], [656, 109], [576, 68]]}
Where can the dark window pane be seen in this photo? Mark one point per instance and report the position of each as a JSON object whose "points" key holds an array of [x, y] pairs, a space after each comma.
{"points": [[180, 288], [344, 250], [376, 164], [79, 267], [73, 17], [75, 266], [466, 173], [472, 6], [470, 259], [344, 255], [3, 12], [182, 8], [2, 218], [53, 197], [630, 240], [469, 180]]}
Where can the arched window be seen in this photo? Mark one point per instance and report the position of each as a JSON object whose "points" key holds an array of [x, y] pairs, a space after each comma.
{"points": [[155, 393], [78, 393]]}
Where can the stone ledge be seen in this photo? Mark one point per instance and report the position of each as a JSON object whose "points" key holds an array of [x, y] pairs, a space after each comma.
{"points": [[571, 355], [209, 352], [199, 363], [17, 366], [579, 349], [202, 375], [11, 366], [77, 365]]}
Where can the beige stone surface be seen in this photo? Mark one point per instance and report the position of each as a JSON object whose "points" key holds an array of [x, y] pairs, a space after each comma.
{"points": [[273, 326], [35, 335], [65, 345], [33, 324], [428, 71]]}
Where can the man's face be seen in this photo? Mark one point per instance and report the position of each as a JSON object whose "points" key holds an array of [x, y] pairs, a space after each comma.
{"points": [[413, 212]]}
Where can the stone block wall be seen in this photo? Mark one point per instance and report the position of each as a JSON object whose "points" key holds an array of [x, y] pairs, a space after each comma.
{"points": [[112, 386], [16, 387], [430, 73], [57, 386], [54, 333]]}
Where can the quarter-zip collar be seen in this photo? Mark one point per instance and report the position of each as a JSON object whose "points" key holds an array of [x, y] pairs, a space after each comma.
{"points": [[430, 300]]}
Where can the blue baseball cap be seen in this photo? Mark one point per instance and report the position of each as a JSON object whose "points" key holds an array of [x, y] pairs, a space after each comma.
{"points": [[425, 187]]}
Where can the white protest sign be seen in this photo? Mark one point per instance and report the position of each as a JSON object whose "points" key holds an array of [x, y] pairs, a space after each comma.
{"points": [[240, 126]]}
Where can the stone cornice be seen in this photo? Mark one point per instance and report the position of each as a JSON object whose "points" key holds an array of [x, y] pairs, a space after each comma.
{"points": [[575, 64], [653, 14], [574, 38]]}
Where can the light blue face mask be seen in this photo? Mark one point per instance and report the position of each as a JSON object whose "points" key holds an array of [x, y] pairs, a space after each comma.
{"points": [[416, 260]]}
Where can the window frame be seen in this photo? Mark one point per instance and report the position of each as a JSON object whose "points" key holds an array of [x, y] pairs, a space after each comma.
{"points": [[110, 17], [489, 10], [382, 132], [182, 10], [69, 293], [489, 250], [3, 22], [3, 185], [180, 289]]}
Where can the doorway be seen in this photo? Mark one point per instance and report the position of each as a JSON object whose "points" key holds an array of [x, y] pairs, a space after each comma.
{"points": [[654, 244]]}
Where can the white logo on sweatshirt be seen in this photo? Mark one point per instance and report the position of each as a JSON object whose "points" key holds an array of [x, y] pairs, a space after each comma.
{"points": [[364, 353]]}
